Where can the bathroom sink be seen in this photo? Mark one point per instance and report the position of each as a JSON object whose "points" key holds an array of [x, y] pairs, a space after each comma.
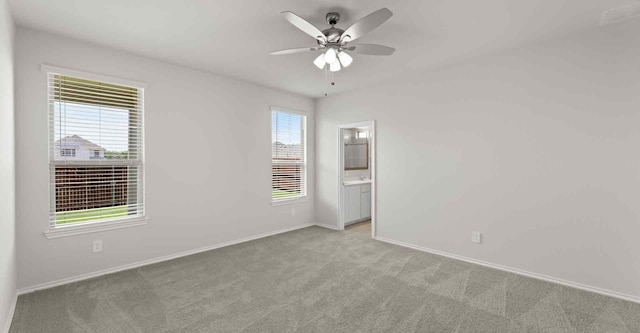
{"points": [[356, 182]]}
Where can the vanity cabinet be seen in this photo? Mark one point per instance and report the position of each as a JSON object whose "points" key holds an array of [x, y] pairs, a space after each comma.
{"points": [[365, 205], [357, 202]]}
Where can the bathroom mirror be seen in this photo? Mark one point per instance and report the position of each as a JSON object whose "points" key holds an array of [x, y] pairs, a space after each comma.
{"points": [[356, 149]]}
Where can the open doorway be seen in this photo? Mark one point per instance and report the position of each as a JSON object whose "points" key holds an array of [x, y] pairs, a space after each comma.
{"points": [[356, 177]]}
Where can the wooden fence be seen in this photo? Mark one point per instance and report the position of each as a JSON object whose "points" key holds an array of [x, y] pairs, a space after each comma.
{"points": [[287, 177], [90, 187]]}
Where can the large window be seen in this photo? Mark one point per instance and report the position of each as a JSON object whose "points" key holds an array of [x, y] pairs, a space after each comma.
{"points": [[288, 155], [96, 151]]}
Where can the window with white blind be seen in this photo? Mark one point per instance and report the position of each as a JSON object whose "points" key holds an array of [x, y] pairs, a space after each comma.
{"points": [[288, 155], [96, 151]]}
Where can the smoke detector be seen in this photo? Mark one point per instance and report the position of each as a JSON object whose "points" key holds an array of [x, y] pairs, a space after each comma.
{"points": [[619, 14]]}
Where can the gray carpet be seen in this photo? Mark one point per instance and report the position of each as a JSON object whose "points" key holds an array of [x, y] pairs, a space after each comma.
{"points": [[318, 280]]}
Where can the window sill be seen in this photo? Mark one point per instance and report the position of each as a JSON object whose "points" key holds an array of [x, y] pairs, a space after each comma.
{"points": [[66, 231], [289, 201]]}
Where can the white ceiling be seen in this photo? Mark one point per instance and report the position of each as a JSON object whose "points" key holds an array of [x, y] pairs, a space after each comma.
{"points": [[234, 37]]}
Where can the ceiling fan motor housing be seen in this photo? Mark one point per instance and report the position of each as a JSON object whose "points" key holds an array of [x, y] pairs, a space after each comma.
{"points": [[333, 34]]}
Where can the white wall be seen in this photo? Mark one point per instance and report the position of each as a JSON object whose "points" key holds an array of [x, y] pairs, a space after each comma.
{"points": [[536, 147], [7, 162], [222, 192]]}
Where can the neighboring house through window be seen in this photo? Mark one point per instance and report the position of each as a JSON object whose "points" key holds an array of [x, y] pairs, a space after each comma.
{"points": [[288, 155], [96, 152], [76, 147]]}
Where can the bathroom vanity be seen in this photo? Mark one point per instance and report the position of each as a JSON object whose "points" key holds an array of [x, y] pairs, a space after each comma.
{"points": [[357, 200]]}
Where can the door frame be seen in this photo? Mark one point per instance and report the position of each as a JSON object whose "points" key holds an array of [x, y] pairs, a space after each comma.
{"points": [[372, 147]]}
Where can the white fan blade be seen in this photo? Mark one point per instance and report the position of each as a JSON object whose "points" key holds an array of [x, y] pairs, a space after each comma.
{"points": [[303, 25], [366, 25], [298, 50], [371, 49]]}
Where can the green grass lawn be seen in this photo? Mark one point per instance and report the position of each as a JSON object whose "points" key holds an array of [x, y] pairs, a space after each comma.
{"points": [[85, 215], [280, 194]]}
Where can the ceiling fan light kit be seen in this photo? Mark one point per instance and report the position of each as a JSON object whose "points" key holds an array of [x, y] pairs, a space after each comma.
{"points": [[330, 56], [345, 59], [333, 42], [334, 66], [319, 62]]}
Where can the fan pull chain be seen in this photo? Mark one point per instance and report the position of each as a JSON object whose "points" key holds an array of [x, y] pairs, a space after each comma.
{"points": [[327, 72], [326, 77]]}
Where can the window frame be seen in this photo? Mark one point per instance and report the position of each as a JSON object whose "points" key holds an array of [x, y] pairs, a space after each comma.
{"points": [[305, 165], [67, 152], [56, 231]]}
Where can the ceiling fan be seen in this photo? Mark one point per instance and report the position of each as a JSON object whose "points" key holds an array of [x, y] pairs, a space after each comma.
{"points": [[334, 42]]}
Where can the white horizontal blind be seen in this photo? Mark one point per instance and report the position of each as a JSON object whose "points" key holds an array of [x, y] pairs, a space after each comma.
{"points": [[288, 156], [96, 150]]}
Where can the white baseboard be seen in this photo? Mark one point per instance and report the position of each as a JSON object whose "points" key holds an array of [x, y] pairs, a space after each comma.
{"points": [[12, 310], [328, 226], [77, 278], [543, 277]]}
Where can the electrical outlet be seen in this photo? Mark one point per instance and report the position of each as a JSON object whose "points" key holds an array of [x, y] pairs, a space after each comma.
{"points": [[476, 237], [97, 245], [293, 212]]}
